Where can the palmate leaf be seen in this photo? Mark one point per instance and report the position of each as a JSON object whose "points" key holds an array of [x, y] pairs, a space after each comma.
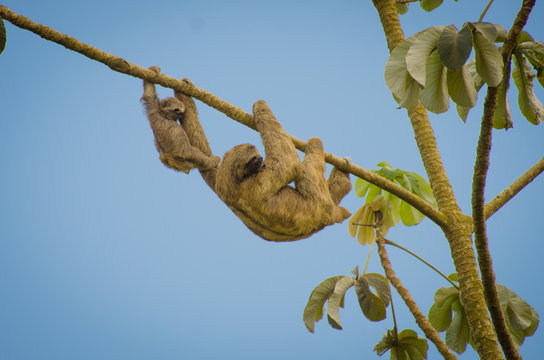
{"points": [[336, 300], [458, 333], [521, 318], [313, 311], [488, 58], [372, 305], [396, 74], [2, 36], [454, 46], [423, 44], [440, 314], [463, 111], [490, 31], [534, 52], [409, 346], [461, 87], [529, 105], [392, 208], [434, 96]]}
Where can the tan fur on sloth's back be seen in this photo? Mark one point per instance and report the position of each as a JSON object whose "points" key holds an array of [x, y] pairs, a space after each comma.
{"points": [[261, 196]]}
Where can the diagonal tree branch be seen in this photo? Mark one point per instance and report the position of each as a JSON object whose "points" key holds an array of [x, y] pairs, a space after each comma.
{"points": [[120, 65], [481, 167], [421, 320], [498, 201]]}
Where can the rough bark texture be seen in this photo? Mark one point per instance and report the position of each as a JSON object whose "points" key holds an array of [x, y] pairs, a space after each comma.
{"points": [[478, 189], [458, 230]]}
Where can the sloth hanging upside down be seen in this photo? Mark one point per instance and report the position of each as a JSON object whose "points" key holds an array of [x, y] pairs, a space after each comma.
{"points": [[258, 190]]}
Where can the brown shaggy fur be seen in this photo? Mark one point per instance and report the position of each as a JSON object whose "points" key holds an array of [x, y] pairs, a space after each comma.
{"points": [[171, 138], [258, 191]]}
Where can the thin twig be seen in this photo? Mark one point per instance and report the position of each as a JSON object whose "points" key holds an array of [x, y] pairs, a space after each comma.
{"points": [[421, 320], [389, 242], [498, 201], [485, 10], [481, 167], [120, 65]]}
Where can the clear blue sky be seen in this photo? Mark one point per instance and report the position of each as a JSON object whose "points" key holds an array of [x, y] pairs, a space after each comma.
{"points": [[107, 254]]}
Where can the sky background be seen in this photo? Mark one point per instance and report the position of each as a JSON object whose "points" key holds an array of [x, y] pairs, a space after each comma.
{"points": [[107, 254]]}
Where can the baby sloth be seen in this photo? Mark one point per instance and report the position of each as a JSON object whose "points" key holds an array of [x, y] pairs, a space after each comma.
{"points": [[171, 140], [258, 191]]}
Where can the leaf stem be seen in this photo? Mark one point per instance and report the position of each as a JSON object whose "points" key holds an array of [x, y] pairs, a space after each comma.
{"points": [[396, 328], [368, 257], [485, 10], [389, 242]]}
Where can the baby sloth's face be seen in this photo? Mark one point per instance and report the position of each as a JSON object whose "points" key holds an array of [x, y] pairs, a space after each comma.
{"points": [[172, 109]]}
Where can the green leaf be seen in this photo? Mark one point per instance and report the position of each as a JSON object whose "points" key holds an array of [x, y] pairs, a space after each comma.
{"points": [[313, 311], [502, 34], [2, 36], [373, 307], [463, 111], [361, 187], [409, 101], [409, 215], [529, 105], [396, 75], [402, 8], [380, 285], [440, 314], [417, 56], [534, 52], [336, 300], [490, 31], [503, 117], [488, 59], [434, 95], [461, 87], [430, 5], [521, 318], [454, 47], [420, 187], [410, 346], [416, 346], [458, 334], [387, 171]]}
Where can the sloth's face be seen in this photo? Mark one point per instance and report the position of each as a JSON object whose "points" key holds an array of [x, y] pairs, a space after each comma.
{"points": [[172, 109], [244, 160]]}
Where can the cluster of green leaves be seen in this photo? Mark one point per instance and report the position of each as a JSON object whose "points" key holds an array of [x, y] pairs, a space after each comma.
{"points": [[521, 318], [431, 66], [427, 5], [391, 207], [2, 36], [373, 304], [405, 345]]}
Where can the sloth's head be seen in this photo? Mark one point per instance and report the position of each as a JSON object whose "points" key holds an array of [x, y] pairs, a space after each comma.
{"points": [[172, 109], [243, 161]]}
